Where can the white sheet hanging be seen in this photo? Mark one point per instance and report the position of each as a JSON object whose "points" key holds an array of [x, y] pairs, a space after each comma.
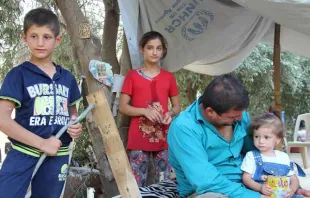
{"points": [[214, 36]]}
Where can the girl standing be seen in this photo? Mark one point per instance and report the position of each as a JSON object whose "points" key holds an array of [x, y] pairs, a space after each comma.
{"points": [[144, 97]]}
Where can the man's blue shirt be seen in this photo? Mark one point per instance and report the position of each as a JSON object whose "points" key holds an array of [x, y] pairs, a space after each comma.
{"points": [[203, 160]]}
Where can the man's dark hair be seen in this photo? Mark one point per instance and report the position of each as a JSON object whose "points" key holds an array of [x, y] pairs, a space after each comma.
{"points": [[224, 93], [42, 17]]}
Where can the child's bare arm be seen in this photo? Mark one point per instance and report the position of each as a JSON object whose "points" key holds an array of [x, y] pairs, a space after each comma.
{"points": [[250, 183], [12, 129], [175, 102], [294, 184]]}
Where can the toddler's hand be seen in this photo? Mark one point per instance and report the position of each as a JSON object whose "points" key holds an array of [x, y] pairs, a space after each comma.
{"points": [[266, 190]]}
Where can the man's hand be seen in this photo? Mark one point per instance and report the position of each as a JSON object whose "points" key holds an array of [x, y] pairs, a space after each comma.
{"points": [[75, 131], [266, 190], [50, 146]]}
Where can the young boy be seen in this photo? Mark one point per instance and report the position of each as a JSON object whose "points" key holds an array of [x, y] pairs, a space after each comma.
{"points": [[44, 95]]}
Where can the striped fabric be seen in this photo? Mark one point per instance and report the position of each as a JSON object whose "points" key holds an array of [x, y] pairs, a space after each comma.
{"points": [[36, 152], [165, 189]]}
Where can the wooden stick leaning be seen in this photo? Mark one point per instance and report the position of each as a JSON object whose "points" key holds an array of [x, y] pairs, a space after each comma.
{"points": [[114, 147]]}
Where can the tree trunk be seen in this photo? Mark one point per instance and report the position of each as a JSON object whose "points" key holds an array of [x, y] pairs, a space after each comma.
{"points": [[110, 30], [191, 91], [123, 121], [87, 49], [76, 65]]}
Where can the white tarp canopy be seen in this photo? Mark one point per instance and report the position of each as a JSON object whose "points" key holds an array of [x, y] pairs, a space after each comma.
{"points": [[215, 36]]}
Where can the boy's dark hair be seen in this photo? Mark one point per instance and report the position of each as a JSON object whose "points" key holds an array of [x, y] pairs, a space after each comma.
{"points": [[151, 35], [272, 119], [42, 17], [224, 93]]}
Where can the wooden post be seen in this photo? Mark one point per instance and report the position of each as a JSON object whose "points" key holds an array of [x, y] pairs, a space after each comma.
{"points": [[277, 67], [114, 147], [277, 73]]}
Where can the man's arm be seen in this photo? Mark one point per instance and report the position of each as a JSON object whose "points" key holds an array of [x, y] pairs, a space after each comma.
{"points": [[186, 145]]}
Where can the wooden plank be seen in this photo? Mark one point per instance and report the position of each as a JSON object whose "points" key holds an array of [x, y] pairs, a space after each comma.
{"points": [[114, 147]]}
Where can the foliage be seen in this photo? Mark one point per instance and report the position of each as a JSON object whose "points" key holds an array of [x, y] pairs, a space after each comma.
{"points": [[63, 53], [10, 30], [81, 144], [199, 82], [256, 73]]}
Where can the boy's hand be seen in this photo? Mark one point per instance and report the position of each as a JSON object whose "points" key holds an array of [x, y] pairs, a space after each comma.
{"points": [[266, 190], [75, 131], [50, 146]]}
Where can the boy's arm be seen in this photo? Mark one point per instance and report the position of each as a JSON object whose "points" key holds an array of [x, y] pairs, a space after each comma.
{"points": [[76, 130], [12, 129]]}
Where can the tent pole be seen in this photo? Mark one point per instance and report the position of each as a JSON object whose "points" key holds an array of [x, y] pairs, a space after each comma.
{"points": [[277, 73], [276, 67]]}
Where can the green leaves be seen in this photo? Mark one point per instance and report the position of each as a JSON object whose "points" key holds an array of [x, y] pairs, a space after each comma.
{"points": [[256, 73]]}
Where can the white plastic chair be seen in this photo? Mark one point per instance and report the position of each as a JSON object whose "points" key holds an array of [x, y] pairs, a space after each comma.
{"points": [[301, 145]]}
